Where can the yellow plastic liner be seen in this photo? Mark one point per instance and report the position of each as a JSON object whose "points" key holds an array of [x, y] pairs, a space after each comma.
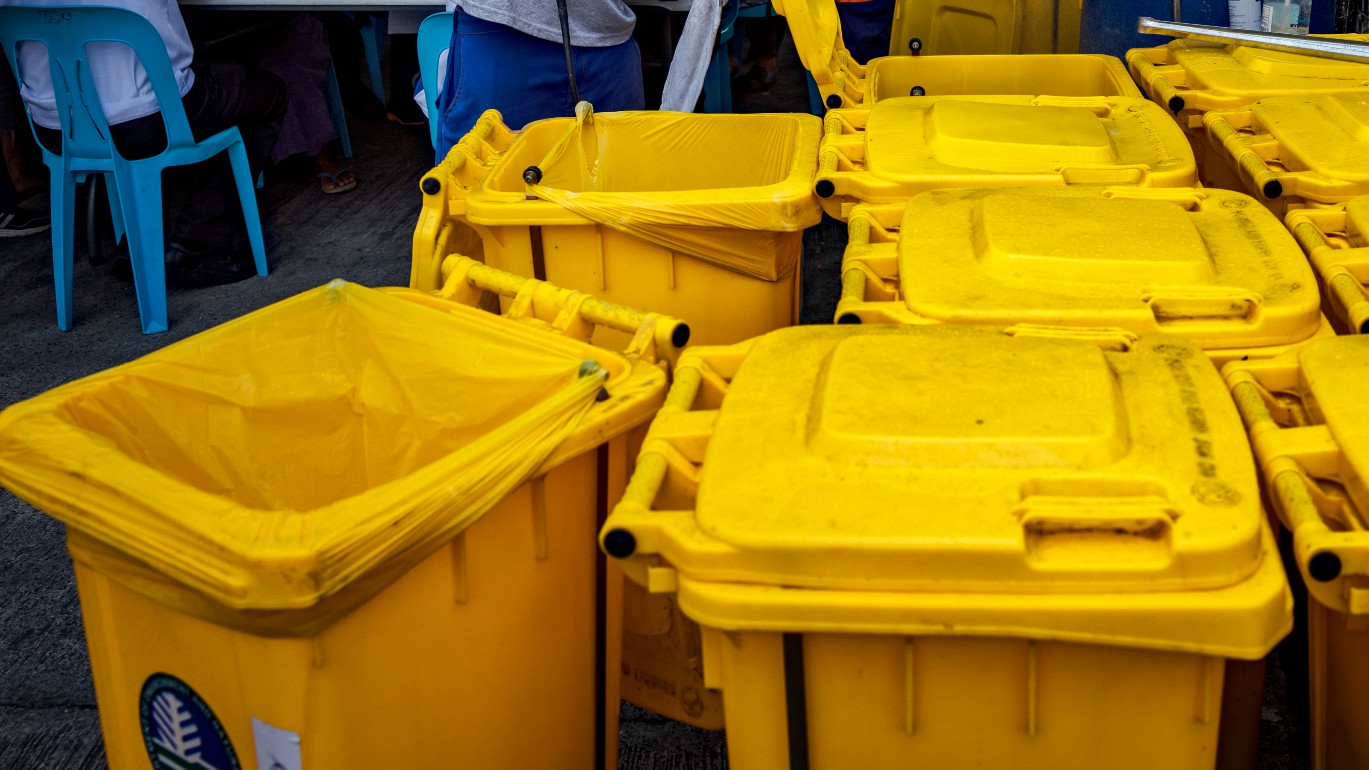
{"points": [[1307, 418], [1336, 241], [1212, 266], [684, 202], [901, 147], [963, 47], [1295, 150], [617, 170], [948, 544], [316, 448]]}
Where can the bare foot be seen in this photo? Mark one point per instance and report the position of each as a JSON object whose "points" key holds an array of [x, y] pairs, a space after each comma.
{"points": [[333, 176]]}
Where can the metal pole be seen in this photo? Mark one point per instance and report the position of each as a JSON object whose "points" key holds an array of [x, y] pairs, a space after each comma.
{"points": [[565, 41], [1310, 45]]}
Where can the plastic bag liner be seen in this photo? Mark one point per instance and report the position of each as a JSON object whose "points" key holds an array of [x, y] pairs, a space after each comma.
{"points": [[672, 179], [298, 458]]}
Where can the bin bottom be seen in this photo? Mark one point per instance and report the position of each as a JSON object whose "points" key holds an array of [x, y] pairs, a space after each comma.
{"points": [[859, 701], [483, 656]]}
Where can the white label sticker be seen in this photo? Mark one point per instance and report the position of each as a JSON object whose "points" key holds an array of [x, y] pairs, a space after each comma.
{"points": [[277, 749]]}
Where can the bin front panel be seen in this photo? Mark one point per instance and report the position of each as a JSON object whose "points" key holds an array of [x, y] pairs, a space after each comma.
{"points": [[1209, 265]]}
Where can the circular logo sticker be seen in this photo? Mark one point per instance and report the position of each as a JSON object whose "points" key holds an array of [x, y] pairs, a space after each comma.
{"points": [[180, 730]]}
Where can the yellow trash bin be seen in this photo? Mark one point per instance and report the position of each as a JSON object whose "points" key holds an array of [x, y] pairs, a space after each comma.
{"points": [[1306, 415], [1297, 150], [352, 530], [1212, 266], [950, 547], [1191, 77], [700, 216], [1001, 62], [904, 146], [1336, 241]]}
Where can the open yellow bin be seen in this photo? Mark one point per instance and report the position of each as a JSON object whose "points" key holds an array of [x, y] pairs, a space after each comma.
{"points": [[353, 530], [1191, 78], [1336, 241], [700, 216], [1212, 266], [1307, 419], [1297, 150], [958, 547], [994, 53], [904, 146]]}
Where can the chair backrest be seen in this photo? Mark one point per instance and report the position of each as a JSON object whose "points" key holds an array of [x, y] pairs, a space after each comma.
{"points": [[434, 37], [66, 30]]}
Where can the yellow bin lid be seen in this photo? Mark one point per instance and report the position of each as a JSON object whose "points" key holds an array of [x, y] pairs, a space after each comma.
{"points": [[967, 63], [902, 147], [1212, 266], [1011, 473], [1188, 75], [1309, 424], [1314, 147], [1336, 241]]}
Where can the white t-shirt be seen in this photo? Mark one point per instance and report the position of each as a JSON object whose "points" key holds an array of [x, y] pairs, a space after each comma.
{"points": [[125, 93]]}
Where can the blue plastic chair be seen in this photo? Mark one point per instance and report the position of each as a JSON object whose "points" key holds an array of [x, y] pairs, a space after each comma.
{"points": [[86, 147], [373, 30], [434, 37]]}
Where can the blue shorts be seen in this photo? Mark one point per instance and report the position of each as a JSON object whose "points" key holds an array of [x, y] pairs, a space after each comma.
{"points": [[492, 66], [866, 27]]}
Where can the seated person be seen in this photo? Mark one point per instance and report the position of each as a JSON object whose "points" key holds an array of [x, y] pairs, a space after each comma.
{"points": [[508, 55], [206, 241]]}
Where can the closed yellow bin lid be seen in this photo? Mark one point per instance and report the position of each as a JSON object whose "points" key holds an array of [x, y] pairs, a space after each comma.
{"points": [[1309, 424], [1313, 147], [902, 147], [1212, 266], [969, 58], [900, 477], [1336, 240], [1197, 76]]}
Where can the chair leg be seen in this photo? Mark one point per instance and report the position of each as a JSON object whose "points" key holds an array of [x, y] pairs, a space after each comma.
{"points": [[62, 202], [115, 213], [713, 94], [372, 40], [141, 201], [242, 177], [336, 112]]}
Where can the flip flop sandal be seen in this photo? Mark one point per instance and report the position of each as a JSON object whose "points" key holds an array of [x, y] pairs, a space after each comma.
{"points": [[325, 178]]}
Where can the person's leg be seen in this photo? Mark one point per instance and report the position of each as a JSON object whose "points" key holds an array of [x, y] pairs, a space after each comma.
{"points": [[495, 67], [300, 58], [27, 213], [206, 237]]}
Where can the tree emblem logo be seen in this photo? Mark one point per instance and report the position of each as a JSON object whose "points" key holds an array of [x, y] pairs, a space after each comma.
{"points": [[180, 730]]}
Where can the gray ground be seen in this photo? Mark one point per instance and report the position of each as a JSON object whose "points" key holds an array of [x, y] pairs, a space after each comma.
{"points": [[47, 706]]}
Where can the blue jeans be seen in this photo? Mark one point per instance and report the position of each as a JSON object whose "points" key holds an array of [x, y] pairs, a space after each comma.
{"points": [[496, 67]]}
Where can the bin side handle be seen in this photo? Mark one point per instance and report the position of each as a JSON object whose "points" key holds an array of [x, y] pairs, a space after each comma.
{"points": [[655, 338], [1330, 561], [1229, 142]]}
